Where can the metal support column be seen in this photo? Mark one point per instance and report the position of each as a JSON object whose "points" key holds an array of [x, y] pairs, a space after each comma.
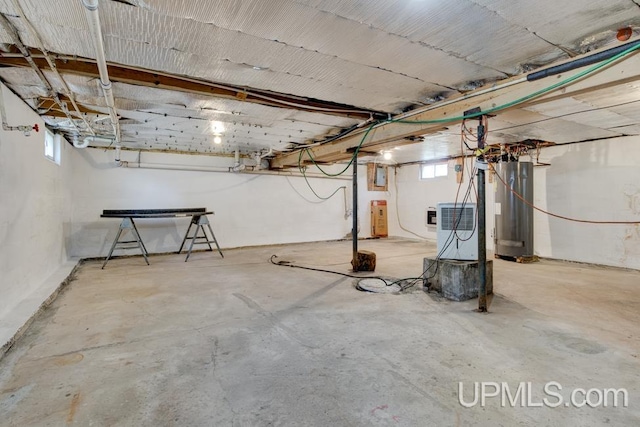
{"points": [[354, 212], [482, 224]]}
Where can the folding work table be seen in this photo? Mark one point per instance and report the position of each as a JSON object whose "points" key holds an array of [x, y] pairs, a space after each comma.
{"points": [[198, 218]]}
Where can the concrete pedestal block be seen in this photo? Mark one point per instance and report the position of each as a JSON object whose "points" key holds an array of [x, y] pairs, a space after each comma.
{"points": [[456, 280], [366, 261]]}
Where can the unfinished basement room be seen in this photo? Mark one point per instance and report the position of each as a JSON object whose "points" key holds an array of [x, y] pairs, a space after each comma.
{"points": [[320, 213]]}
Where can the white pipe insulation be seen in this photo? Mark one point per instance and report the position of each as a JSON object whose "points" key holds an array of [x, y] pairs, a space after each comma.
{"points": [[93, 18], [26, 129], [89, 139], [237, 166], [224, 169], [165, 166]]}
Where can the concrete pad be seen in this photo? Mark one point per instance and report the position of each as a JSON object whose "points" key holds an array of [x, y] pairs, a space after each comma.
{"points": [[241, 342]]}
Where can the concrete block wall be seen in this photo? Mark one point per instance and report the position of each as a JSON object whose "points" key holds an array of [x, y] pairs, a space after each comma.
{"points": [[35, 219]]}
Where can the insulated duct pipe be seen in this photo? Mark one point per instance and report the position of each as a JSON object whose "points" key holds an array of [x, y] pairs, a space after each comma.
{"points": [[93, 18], [26, 129], [237, 166], [258, 157], [582, 62], [89, 139], [223, 169], [4, 22], [27, 55]]}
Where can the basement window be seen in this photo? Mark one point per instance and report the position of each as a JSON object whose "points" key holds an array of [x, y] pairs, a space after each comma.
{"points": [[434, 170], [51, 147]]}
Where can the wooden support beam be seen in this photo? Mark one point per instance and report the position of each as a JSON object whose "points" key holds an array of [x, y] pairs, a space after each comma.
{"points": [[53, 109], [502, 93], [140, 77]]}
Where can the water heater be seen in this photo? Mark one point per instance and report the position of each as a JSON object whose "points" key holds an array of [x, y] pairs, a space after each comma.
{"points": [[457, 231], [514, 218]]}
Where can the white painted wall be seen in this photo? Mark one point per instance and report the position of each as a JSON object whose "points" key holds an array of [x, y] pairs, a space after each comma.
{"points": [[365, 197], [597, 180], [249, 209], [35, 215], [415, 196]]}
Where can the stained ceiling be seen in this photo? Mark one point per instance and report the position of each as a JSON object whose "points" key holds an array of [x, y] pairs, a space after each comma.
{"points": [[272, 76]]}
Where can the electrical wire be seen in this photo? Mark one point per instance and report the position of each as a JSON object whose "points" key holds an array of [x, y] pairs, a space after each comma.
{"points": [[492, 110], [398, 282], [584, 221], [482, 115], [531, 96], [395, 184]]}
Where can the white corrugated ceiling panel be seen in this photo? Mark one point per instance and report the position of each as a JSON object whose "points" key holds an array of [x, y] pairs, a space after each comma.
{"points": [[379, 54], [573, 110], [612, 97], [522, 124], [450, 26], [566, 22], [316, 30]]}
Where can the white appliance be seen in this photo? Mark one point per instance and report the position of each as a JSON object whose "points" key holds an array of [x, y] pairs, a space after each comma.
{"points": [[457, 231]]}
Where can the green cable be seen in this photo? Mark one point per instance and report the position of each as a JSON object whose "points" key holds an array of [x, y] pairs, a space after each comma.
{"points": [[526, 97], [478, 114], [304, 174], [355, 156]]}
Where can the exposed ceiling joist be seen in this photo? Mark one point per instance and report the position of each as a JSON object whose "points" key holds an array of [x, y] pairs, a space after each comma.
{"points": [[505, 93], [49, 107], [141, 77]]}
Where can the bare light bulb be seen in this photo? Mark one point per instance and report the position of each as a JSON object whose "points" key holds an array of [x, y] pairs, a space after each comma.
{"points": [[387, 155], [217, 140]]}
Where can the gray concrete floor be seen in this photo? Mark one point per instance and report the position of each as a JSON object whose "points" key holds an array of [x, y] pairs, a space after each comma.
{"points": [[240, 342]]}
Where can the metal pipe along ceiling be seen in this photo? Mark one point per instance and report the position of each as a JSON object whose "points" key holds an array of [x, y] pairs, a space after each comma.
{"points": [[93, 18]]}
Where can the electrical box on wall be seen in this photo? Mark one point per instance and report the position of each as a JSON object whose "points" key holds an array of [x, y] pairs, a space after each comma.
{"points": [[377, 177], [432, 217], [457, 231], [379, 218]]}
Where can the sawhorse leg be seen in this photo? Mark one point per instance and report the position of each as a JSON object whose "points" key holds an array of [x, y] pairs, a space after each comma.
{"points": [[185, 235], [200, 221], [127, 224]]}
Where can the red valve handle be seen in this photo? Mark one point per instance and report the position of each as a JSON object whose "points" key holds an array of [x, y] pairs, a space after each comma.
{"points": [[36, 127]]}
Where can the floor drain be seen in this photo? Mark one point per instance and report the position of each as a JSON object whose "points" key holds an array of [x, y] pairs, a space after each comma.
{"points": [[378, 286]]}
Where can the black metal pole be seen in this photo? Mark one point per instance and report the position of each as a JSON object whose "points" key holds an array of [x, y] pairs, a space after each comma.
{"points": [[354, 213], [482, 226]]}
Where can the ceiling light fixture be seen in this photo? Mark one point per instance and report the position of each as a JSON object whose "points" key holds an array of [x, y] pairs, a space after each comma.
{"points": [[217, 127], [387, 155], [217, 139]]}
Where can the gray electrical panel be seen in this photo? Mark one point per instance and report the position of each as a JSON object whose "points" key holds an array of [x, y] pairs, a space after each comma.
{"points": [[514, 218]]}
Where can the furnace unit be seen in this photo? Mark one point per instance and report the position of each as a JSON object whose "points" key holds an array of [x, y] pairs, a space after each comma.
{"points": [[457, 231]]}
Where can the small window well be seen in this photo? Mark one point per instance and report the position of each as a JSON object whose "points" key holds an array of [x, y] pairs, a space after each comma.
{"points": [[52, 146], [434, 170]]}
